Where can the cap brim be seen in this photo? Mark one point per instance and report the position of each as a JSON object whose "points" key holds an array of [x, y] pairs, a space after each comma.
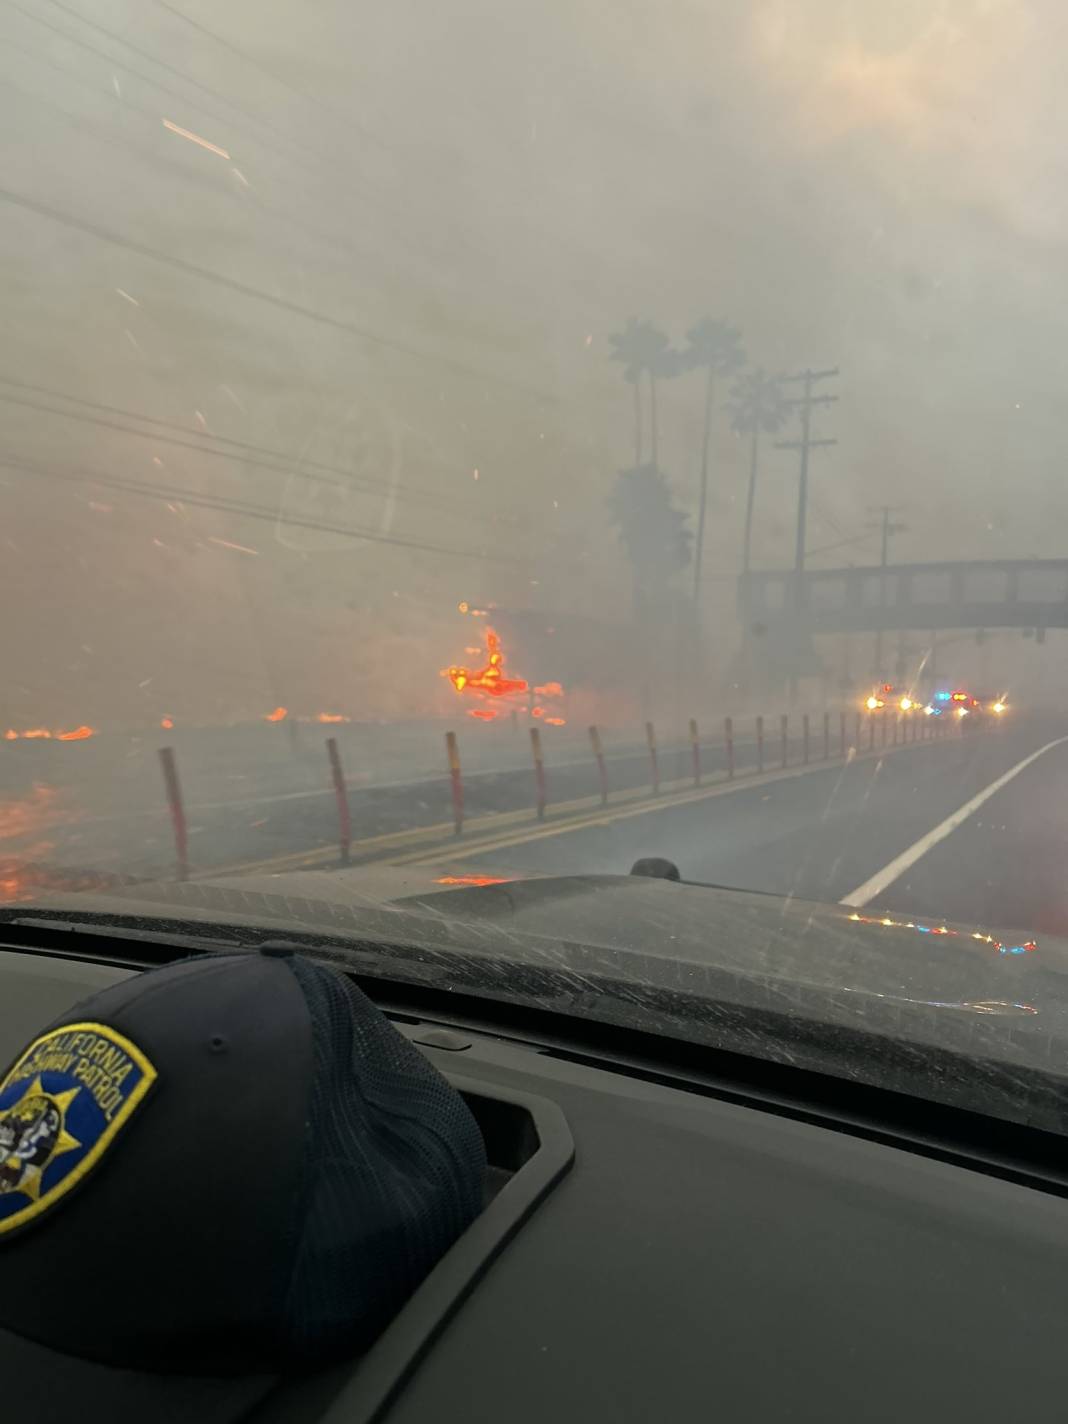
{"points": [[51, 1385]]}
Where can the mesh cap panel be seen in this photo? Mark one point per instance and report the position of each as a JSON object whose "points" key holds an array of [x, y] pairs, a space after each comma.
{"points": [[394, 1171]]}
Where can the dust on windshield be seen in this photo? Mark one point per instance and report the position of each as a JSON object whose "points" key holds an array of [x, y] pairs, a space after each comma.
{"points": [[482, 442]]}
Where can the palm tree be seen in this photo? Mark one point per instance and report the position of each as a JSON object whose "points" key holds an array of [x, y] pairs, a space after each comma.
{"points": [[653, 530], [757, 407], [663, 364], [641, 346], [628, 347], [716, 348]]}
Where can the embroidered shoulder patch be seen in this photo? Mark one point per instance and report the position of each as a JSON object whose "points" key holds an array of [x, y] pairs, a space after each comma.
{"points": [[61, 1106]]}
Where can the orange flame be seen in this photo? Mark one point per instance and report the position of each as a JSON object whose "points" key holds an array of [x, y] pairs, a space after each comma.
{"points": [[490, 679], [332, 717], [166, 723], [490, 682], [278, 715], [34, 734]]}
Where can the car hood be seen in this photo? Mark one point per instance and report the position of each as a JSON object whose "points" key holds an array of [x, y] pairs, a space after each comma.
{"points": [[638, 924], [956, 1013]]}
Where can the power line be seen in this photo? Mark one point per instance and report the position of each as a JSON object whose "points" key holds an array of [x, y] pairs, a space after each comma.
{"points": [[304, 153], [193, 269], [278, 135], [341, 241], [276, 461], [328, 109], [307, 153], [163, 494], [257, 64], [276, 214], [270, 459]]}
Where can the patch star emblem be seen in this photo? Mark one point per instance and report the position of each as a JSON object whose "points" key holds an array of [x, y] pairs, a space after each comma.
{"points": [[32, 1134]]}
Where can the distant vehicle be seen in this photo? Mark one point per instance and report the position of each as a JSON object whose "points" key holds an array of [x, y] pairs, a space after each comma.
{"points": [[897, 699], [970, 709]]}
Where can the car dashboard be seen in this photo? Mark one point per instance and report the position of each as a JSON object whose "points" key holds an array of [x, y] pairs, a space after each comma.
{"points": [[657, 1246]]}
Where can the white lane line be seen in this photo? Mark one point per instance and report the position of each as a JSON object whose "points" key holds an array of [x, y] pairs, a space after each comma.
{"points": [[897, 867]]}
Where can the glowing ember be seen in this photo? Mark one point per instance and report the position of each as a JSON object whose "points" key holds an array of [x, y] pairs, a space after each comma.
{"points": [[331, 717], [470, 880], [80, 734], [36, 732], [556, 721], [278, 715], [550, 689], [166, 723], [25, 826], [10, 735], [483, 714]]}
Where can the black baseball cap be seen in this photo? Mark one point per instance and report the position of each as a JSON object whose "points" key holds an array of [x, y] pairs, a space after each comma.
{"points": [[213, 1175]]}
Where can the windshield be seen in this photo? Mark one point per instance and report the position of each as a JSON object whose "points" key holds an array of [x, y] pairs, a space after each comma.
{"points": [[450, 446]]}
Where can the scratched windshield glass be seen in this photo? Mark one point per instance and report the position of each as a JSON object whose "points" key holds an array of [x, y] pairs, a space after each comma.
{"points": [[446, 446]]}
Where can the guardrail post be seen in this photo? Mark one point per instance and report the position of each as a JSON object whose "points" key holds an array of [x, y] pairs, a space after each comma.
{"points": [[602, 774], [728, 741], [842, 735], [654, 766], [826, 736], [452, 751], [695, 751], [177, 810], [897, 724], [882, 736], [784, 722], [760, 744], [344, 818], [539, 771], [871, 731], [804, 739]]}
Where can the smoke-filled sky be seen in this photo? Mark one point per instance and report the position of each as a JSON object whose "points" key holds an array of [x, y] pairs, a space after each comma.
{"points": [[273, 270]]}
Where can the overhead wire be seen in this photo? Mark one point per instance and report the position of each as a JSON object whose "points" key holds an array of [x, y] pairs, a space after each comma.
{"points": [[202, 444], [182, 495], [193, 269]]}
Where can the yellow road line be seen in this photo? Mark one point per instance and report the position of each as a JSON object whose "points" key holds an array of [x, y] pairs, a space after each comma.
{"points": [[458, 850]]}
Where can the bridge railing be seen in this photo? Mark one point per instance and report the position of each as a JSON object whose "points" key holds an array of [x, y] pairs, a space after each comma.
{"points": [[988, 593]]}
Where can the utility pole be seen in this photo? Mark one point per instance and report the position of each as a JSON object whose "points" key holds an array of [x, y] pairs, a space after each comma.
{"points": [[804, 403], [886, 527]]}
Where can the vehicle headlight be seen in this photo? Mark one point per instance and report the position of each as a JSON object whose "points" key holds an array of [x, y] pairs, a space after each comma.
{"points": [[906, 704], [999, 707], [962, 711], [872, 703]]}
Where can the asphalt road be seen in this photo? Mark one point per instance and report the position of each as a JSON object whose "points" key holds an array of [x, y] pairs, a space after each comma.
{"points": [[821, 835]]}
